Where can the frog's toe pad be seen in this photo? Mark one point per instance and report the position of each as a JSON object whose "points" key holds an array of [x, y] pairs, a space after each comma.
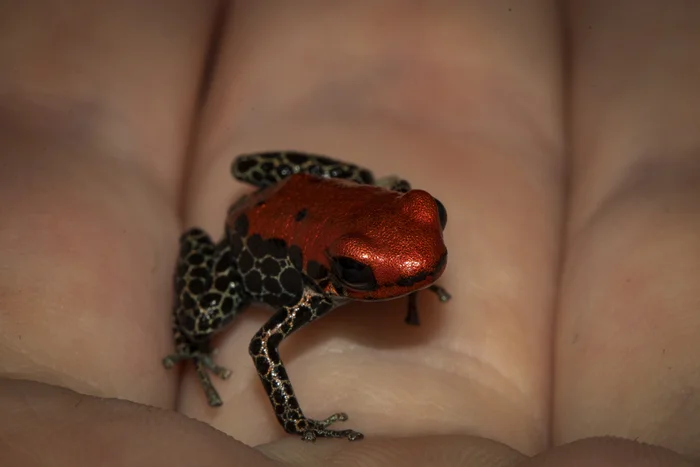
{"points": [[351, 435], [319, 429], [207, 362], [355, 436], [200, 359], [336, 417], [169, 362]]}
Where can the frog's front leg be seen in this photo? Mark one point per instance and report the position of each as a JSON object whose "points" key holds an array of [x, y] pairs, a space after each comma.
{"points": [[264, 351], [208, 295], [412, 317], [268, 168], [394, 183]]}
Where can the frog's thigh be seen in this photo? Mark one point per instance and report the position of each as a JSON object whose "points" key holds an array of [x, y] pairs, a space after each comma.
{"points": [[205, 285], [270, 269]]}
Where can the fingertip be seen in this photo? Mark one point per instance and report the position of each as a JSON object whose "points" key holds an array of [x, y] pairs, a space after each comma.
{"points": [[608, 452], [45, 424]]}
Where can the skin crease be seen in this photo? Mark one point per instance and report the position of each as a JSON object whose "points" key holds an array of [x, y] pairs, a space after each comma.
{"points": [[573, 261]]}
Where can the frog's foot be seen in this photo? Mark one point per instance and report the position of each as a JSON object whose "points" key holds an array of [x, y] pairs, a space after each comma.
{"points": [[442, 294], [202, 360], [412, 317], [203, 365], [312, 429]]}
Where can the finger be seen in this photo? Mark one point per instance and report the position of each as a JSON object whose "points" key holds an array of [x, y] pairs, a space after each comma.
{"points": [[420, 451], [607, 452], [95, 113], [48, 425], [459, 98], [628, 331]]}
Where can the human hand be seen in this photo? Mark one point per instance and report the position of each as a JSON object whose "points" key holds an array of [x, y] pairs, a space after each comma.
{"points": [[106, 157]]}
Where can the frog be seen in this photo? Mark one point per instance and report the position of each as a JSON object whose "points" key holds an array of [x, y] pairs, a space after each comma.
{"points": [[315, 234]]}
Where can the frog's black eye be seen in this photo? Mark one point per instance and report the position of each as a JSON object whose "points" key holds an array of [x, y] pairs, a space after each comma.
{"points": [[354, 274], [442, 213]]}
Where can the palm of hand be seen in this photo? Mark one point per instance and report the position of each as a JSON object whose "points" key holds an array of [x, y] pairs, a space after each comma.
{"points": [[574, 254]]}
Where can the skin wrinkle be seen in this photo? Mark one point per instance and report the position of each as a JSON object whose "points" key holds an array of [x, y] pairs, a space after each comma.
{"points": [[632, 235], [509, 398], [516, 118], [646, 180], [468, 374], [63, 120]]}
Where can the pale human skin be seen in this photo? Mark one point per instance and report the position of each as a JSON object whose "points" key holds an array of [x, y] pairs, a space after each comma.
{"points": [[573, 229]]}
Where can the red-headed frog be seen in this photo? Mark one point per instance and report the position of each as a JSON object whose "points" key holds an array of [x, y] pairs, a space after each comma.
{"points": [[316, 234]]}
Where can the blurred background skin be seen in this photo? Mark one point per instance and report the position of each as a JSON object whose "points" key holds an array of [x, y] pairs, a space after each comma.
{"points": [[561, 137]]}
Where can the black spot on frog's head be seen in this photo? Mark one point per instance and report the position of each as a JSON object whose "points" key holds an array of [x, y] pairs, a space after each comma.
{"points": [[301, 215]]}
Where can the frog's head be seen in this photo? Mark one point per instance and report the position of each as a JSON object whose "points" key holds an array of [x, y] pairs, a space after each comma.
{"points": [[394, 248]]}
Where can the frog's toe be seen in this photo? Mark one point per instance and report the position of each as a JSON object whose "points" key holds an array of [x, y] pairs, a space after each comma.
{"points": [[169, 361], [319, 429], [200, 359], [442, 294], [336, 417], [204, 364], [220, 371], [213, 398], [311, 435]]}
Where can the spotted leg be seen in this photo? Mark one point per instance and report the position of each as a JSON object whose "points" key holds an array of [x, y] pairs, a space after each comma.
{"points": [[208, 295], [264, 351], [268, 168], [412, 316]]}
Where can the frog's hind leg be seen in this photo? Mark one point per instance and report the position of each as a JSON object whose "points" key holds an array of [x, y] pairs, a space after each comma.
{"points": [[268, 168], [208, 296], [264, 349]]}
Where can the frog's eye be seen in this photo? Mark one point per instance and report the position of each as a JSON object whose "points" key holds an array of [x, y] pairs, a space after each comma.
{"points": [[442, 213], [354, 274]]}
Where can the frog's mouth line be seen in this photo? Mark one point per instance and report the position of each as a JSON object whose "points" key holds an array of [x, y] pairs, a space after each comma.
{"points": [[420, 277], [403, 282]]}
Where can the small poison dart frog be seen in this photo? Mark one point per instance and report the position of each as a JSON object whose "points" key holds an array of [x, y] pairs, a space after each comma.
{"points": [[316, 234]]}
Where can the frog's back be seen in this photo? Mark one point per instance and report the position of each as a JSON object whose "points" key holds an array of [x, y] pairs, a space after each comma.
{"points": [[307, 211], [398, 235]]}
